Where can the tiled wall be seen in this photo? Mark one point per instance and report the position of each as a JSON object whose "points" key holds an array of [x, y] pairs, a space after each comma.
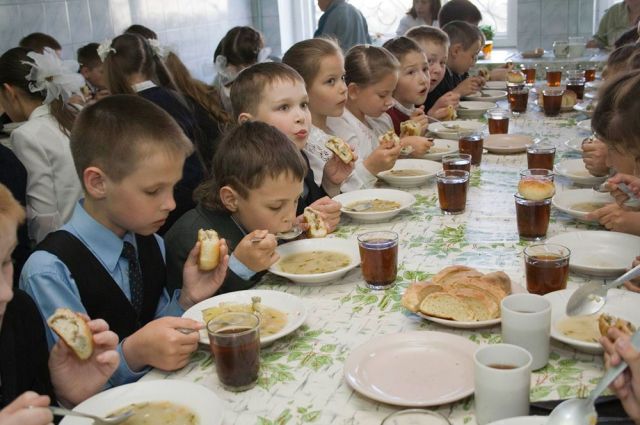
{"points": [[192, 27], [540, 22]]}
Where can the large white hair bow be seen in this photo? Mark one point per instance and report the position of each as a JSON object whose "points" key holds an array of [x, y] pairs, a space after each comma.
{"points": [[57, 78], [104, 49]]}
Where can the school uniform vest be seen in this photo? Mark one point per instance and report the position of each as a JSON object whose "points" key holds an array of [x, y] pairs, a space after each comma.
{"points": [[397, 117], [99, 293]]}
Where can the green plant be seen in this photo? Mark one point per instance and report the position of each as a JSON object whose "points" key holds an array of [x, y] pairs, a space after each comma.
{"points": [[488, 31]]}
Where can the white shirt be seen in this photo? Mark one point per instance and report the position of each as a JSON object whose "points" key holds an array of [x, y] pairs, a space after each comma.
{"points": [[53, 186], [317, 152], [407, 22], [363, 138]]}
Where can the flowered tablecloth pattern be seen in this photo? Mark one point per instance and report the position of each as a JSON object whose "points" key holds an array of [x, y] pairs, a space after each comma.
{"points": [[301, 377]]}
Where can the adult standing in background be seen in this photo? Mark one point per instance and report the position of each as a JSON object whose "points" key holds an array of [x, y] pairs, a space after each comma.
{"points": [[344, 22], [616, 21], [459, 10], [422, 12]]}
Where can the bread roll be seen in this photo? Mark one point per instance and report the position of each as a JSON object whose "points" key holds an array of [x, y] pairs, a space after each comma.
{"points": [[499, 279], [340, 148], [209, 250], [410, 128], [317, 226], [389, 138], [536, 189], [569, 99], [74, 331], [606, 321], [447, 306], [483, 72], [515, 76], [452, 273]]}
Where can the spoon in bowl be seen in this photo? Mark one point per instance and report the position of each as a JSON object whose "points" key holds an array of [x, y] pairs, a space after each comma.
{"points": [[632, 202], [579, 411], [97, 420], [286, 236], [591, 297]]}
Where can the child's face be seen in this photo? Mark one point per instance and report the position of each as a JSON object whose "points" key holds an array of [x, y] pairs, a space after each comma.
{"points": [[7, 244], [460, 59], [272, 206], [94, 75], [413, 84], [328, 92], [620, 160], [437, 55], [375, 99], [285, 105], [141, 201]]}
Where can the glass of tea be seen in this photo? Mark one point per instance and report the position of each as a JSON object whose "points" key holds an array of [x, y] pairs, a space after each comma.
{"points": [[546, 268], [472, 145], [532, 217], [575, 82], [536, 174], [234, 340], [529, 71], [590, 73], [452, 190], [518, 98], [540, 155], [457, 161], [498, 120], [554, 75], [552, 101], [379, 258]]}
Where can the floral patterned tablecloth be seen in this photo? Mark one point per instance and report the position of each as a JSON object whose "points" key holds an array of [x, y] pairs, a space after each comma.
{"points": [[301, 378]]}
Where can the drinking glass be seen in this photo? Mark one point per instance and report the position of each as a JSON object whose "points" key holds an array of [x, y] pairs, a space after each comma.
{"points": [[457, 161], [379, 258], [554, 75], [498, 120], [472, 145], [540, 155], [532, 217], [452, 190], [552, 101], [575, 82], [546, 267]]}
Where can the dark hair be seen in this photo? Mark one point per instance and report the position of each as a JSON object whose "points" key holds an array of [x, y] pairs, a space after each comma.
{"points": [[366, 65], [240, 46], [305, 56], [615, 119], [634, 60], [88, 55], [428, 33], [248, 155], [628, 37], [248, 88], [435, 9], [462, 33], [119, 130], [621, 55], [401, 46], [133, 54], [14, 66], [147, 33], [37, 41], [459, 10]]}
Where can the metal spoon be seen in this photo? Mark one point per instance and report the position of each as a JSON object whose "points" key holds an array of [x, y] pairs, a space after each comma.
{"points": [[97, 420], [444, 124], [632, 202], [579, 411], [286, 236], [591, 297], [360, 207]]}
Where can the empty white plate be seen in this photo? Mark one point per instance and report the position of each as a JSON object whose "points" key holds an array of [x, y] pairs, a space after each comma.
{"points": [[507, 143], [575, 170], [471, 109], [496, 85], [423, 169], [599, 252], [440, 148], [573, 202]]}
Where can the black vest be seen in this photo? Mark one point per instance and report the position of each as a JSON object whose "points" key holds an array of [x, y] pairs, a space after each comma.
{"points": [[99, 293]]}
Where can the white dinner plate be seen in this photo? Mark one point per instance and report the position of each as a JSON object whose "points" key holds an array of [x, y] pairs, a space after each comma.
{"points": [[522, 420], [507, 143], [575, 144], [471, 109], [440, 148], [403, 198], [487, 95], [584, 107], [430, 168], [496, 85], [595, 84], [574, 170], [414, 369], [584, 125], [599, 252], [620, 303], [464, 127], [593, 95], [202, 401], [515, 289], [348, 247], [288, 304], [567, 199]]}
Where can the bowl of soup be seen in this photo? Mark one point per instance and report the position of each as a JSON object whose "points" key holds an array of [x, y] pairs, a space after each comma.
{"points": [[316, 261], [410, 172], [371, 205], [579, 202]]}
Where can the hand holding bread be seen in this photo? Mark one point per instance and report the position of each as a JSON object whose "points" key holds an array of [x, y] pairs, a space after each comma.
{"points": [[317, 227], [209, 250]]}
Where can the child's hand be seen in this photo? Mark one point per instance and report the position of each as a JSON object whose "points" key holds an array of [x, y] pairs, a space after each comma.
{"points": [[199, 285], [470, 85], [632, 182], [28, 409], [615, 218], [161, 344], [420, 145], [329, 210], [336, 171], [257, 256], [418, 116], [617, 347], [594, 157], [633, 284], [439, 109], [382, 158], [75, 380]]}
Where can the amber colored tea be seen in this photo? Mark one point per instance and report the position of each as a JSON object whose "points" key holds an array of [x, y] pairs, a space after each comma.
{"points": [[237, 356], [452, 191], [457, 163], [590, 74], [552, 102], [530, 75], [540, 158], [498, 125], [472, 145], [546, 273], [379, 262], [518, 100], [577, 88], [532, 218], [554, 78]]}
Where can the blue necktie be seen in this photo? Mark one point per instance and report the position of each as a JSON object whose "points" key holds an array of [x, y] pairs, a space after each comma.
{"points": [[135, 276]]}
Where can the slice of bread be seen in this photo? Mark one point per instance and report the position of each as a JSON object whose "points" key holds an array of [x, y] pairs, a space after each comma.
{"points": [[447, 306], [340, 148], [490, 290], [416, 292], [74, 331], [483, 306], [317, 226]]}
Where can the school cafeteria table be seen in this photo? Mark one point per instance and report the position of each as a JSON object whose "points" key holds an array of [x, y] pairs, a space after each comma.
{"points": [[301, 377]]}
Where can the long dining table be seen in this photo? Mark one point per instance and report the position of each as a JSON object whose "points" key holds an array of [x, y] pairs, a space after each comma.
{"points": [[301, 376]]}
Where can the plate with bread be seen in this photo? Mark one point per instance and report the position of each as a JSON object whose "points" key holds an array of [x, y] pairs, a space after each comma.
{"points": [[583, 332], [507, 143], [281, 313], [410, 172], [440, 148], [569, 100], [460, 297], [575, 170], [580, 202], [452, 130]]}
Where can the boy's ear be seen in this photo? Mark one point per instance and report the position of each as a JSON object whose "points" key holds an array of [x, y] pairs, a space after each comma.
{"points": [[244, 117], [229, 198], [94, 181], [455, 50], [353, 90]]}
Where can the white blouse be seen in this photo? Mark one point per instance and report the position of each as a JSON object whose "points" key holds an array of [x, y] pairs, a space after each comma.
{"points": [[53, 186], [317, 152], [407, 22]]}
